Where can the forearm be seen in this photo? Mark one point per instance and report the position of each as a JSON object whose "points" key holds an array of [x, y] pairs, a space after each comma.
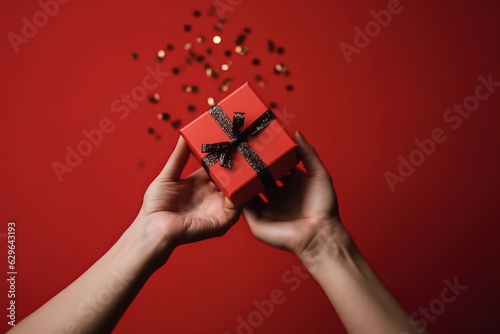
{"points": [[97, 299], [361, 300]]}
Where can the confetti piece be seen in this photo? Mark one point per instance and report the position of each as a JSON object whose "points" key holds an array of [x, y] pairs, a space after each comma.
{"points": [[160, 55], [224, 67], [211, 101], [176, 124], [155, 98], [163, 116], [240, 39], [280, 50], [218, 27], [216, 39], [211, 11], [256, 61], [197, 13], [227, 53], [191, 108], [175, 70], [200, 39], [134, 56], [151, 131], [187, 28], [273, 105], [209, 51], [170, 47], [289, 88], [225, 85], [247, 30], [188, 46], [270, 46]]}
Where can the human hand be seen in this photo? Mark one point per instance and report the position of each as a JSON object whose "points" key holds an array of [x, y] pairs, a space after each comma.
{"points": [[302, 215], [185, 210]]}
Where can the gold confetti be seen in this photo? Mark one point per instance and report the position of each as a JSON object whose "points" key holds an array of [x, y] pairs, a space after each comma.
{"points": [[241, 50], [217, 39], [154, 98], [163, 116], [188, 46], [224, 67], [211, 101], [160, 55]]}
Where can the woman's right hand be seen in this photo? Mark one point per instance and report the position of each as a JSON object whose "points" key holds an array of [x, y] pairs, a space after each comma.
{"points": [[302, 215]]}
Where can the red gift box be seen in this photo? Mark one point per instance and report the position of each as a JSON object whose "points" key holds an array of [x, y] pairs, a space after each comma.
{"points": [[243, 180]]}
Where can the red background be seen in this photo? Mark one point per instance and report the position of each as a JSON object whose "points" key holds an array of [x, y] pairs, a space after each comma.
{"points": [[439, 224]]}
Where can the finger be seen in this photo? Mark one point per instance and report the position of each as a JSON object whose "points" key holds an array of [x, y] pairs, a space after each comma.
{"points": [[254, 208], [176, 163], [200, 176], [309, 157], [231, 209], [271, 232]]}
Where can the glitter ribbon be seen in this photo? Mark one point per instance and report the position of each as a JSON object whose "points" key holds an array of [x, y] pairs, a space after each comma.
{"points": [[223, 151]]}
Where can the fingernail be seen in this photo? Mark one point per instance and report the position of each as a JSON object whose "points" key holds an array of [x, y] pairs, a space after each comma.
{"points": [[299, 136]]}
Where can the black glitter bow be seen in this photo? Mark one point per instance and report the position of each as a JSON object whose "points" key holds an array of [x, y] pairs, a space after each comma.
{"points": [[223, 151]]}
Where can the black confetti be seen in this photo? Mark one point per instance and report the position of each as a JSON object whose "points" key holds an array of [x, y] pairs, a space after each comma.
{"points": [[270, 46], [240, 39], [176, 124], [154, 98], [164, 116]]}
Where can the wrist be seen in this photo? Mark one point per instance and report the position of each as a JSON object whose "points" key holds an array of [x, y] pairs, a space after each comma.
{"points": [[146, 242], [332, 244]]}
